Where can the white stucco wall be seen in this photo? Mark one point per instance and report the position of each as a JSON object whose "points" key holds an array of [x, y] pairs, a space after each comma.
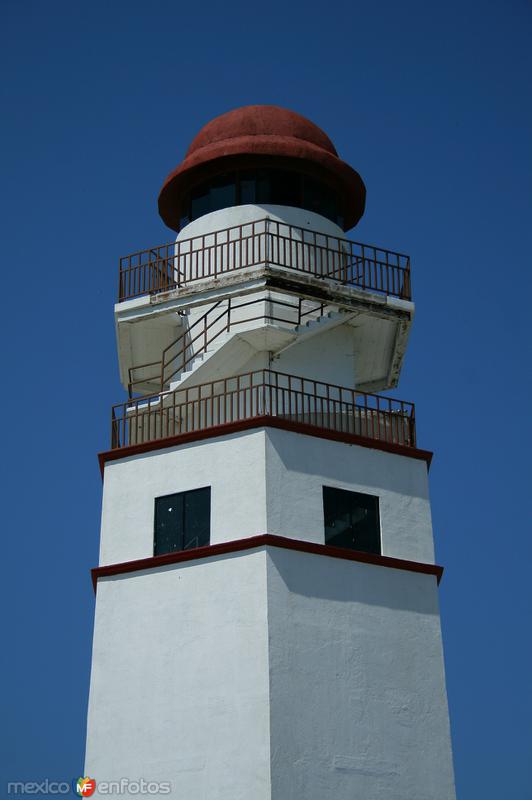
{"points": [[232, 465], [240, 215], [271, 674], [265, 481], [297, 467], [357, 684], [179, 683], [328, 357]]}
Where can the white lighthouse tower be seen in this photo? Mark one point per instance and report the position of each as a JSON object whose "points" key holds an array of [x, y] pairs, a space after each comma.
{"points": [[267, 623]]}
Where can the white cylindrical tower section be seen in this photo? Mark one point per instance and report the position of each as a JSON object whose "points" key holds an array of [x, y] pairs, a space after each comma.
{"points": [[251, 235]]}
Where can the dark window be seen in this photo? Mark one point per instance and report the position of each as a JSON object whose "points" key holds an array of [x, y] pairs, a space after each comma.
{"points": [[277, 186], [285, 188], [222, 192], [319, 198], [200, 202], [263, 188], [248, 188], [351, 520], [182, 521]]}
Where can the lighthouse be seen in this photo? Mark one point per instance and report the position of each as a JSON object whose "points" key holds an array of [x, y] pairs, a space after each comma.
{"points": [[267, 623]]}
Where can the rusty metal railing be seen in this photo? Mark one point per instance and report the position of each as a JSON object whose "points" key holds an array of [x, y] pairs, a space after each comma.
{"points": [[263, 393], [264, 242]]}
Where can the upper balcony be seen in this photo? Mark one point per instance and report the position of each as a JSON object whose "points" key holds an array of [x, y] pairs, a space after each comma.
{"points": [[268, 243]]}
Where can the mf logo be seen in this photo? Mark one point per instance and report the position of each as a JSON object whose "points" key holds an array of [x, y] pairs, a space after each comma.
{"points": [[85, 787]]}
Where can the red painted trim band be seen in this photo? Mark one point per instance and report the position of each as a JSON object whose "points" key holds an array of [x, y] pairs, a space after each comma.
{"points": [[265, 539], [263, 422]]}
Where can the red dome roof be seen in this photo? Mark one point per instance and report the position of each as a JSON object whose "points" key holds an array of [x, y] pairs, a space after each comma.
{"points": [[243, 123], [255, 136]]}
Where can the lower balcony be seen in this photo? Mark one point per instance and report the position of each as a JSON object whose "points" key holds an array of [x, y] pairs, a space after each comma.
{"points": [[275, 398]]}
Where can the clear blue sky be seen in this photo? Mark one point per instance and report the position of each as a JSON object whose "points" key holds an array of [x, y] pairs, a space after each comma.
{"points": [[431, 102]]}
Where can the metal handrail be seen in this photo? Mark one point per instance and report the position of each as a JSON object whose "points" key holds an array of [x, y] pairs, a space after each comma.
{"points": [[262, 394], [264, 241], [204, 330]]}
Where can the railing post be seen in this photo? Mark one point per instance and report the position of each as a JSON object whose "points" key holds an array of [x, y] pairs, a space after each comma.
{"points": [[175, 261], [407, 288], [115, 438], [267, 242], [162, 373]]}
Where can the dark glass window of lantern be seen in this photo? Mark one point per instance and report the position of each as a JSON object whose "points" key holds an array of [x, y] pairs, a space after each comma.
{"points": [[222, 192], [200, 202], [351, 520], [275, 186], [285, 188], [262, 186], [319, 198], [248, 188], [182, 521]]}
